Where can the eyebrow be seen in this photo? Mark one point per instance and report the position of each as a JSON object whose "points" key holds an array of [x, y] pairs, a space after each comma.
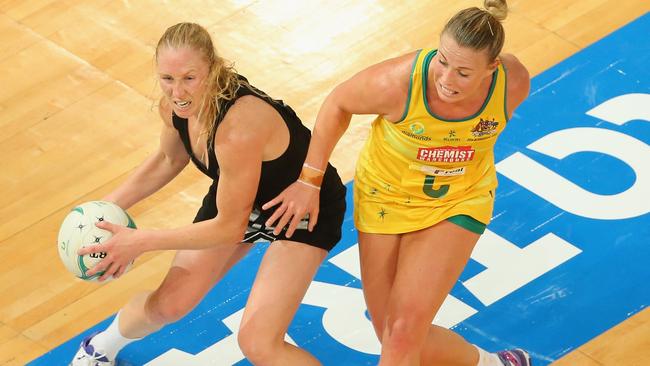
{"points": [[460, 67], [184, 74]]}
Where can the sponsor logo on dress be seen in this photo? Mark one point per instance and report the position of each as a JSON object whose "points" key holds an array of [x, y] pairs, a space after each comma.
{"points": [[451, 137], [434, 170], [416, 131], [484, 129], [417, 128], [446, 154], [414, 136]]}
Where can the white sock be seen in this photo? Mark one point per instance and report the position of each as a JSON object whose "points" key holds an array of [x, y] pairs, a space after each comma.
{"points": [[486, 358], [111, 341]]}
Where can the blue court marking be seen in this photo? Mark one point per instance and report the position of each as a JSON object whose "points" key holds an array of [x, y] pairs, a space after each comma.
{"points": [[571, 228]]}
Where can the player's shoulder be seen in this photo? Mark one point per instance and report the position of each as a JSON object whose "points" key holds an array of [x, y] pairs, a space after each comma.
{"points": [[518, 79], [515, 69], [247, 121], [394, 71]]}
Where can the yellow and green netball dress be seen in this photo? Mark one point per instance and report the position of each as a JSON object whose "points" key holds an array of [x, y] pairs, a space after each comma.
{"points": [[424, 169]]}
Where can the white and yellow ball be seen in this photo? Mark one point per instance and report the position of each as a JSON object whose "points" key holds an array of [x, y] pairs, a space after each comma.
{"points": [[78, 230]]}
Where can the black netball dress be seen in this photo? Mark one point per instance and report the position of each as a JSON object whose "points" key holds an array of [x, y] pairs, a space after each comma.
{"points": [[276, 175]]}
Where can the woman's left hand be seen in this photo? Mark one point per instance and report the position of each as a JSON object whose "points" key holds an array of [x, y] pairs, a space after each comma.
{"points": [[121, 250], [293, 204]]}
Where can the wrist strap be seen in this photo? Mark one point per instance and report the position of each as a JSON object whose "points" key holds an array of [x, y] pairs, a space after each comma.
{"points": [[308, 184], [311, 176], [305, 165]]}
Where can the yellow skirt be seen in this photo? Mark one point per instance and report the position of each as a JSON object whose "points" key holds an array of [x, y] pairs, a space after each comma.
{"points": [[379, 212]]}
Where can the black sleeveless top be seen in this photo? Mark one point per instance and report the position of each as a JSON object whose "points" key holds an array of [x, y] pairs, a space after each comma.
{"points": [[276, 174]]}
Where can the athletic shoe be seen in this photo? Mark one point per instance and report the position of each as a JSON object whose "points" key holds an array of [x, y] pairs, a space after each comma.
{"points": [[89, 356], [514, 357]]}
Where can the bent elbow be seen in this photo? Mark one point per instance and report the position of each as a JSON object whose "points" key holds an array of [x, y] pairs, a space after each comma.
{"points": [[235, 232], [178, 163], [240, 235]]}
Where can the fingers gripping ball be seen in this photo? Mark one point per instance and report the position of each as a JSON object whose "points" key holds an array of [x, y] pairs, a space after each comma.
{"points": [[78, 230]]}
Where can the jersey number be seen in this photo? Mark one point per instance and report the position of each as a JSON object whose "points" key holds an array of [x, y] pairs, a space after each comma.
{"points": [[428, 187]]}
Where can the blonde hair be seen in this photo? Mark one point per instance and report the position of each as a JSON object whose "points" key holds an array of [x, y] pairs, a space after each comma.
{"points": [[222, 80], [480, 29]]}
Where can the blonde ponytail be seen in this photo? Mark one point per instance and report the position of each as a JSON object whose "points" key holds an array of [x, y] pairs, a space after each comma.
{"points": [[498, 9]]}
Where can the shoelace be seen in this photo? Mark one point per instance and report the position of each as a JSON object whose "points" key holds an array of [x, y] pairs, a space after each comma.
{"points": [[512, 358], [92, 360]]}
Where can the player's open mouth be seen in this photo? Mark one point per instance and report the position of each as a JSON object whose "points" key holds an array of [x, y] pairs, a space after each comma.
{"points": [[183, 104], [447, 91]]}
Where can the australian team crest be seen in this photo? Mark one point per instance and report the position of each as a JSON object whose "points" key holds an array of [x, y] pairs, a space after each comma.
{"points": [[485, 128]]}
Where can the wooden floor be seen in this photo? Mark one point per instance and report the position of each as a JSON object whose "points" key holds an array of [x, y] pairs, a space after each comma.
{"points": [[76, 117]]}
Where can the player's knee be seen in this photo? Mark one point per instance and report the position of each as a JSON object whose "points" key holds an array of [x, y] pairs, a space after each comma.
{"points": [[402, 333], [258, 346], [165, 311]]}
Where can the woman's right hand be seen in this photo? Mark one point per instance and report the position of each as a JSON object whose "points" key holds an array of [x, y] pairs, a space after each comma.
{"points": [[295, 202]]}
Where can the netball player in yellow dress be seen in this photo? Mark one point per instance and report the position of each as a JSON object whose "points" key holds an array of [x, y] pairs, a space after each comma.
{"points": [[425, 180]]}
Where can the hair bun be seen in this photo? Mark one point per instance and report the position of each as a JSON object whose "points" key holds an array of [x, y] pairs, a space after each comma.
{"points": [[498, 8]]}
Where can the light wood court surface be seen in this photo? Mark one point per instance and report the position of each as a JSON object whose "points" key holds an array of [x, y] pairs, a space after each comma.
{"points": [[77, 115]]}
